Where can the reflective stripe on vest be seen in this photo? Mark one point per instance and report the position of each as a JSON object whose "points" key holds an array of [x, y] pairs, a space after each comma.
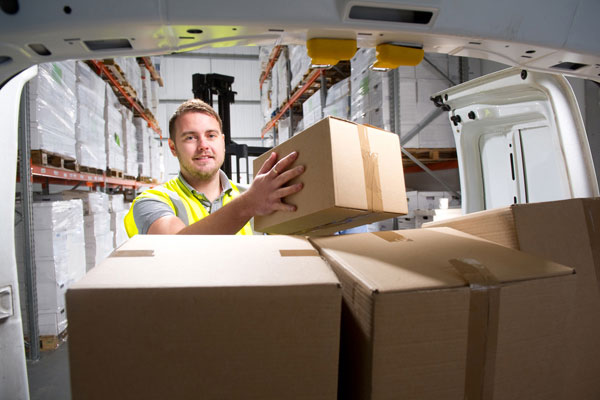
{"points": [[183, 203]]}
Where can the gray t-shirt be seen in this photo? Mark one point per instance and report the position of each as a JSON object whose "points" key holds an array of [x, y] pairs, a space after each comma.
{"points": [[147, 210]]}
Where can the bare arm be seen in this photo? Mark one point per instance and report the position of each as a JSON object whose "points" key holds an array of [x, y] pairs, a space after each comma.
{"points": [[262, 198]]}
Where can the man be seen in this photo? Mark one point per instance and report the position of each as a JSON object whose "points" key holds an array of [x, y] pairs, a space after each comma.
{"points": [[201, 200]]}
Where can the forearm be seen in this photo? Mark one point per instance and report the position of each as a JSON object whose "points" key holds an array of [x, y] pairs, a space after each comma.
{"points": [[228, 220]]}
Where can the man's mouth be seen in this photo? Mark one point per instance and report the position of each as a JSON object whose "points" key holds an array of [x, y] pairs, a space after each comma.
{"points": [[203, 157]]}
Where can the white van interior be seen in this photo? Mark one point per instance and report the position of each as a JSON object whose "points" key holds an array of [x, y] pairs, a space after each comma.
{"points": [[519, 133]]}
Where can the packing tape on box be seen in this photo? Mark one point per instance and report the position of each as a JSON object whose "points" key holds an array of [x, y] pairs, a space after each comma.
{"points": [[299, 253], [391, 236], [371, 168], [482, 337], [132, 253]]}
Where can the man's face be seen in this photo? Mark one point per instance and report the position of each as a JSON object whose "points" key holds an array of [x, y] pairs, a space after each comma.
{"points": [[199, 145]]}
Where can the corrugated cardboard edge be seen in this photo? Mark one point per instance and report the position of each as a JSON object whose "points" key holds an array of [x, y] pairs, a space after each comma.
{"points": [[482, 334], [299, 253], [356, 290], [132, 253], [472, 224]]}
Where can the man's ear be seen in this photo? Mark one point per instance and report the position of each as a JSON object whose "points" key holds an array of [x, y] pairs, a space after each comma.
{"points": [[172, 147]]}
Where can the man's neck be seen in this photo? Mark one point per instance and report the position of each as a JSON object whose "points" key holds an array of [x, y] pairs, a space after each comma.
{"points": [[211, 187]]}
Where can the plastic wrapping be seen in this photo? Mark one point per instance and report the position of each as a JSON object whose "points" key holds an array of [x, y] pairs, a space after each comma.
{"points": [[264, 52], [117, 226], [284, 129], [129, 143], [299, 64], [281, 70], [98, 248], [154, 97], [52, 106], [267, 102], [312, 110], [113, 132], [338, 100], [93, 202], [146, 88], [132, 72], [156, 157], [142, 136], [89, 125], [59, 257], [96, 224], [116, 202], [91, 147], [370, 97]]}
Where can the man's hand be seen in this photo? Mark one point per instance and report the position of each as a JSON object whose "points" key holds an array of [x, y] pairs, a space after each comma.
{"points": [[262, 198], [268, 188]]}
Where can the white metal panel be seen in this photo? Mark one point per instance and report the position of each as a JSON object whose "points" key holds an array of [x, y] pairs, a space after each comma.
{"points": [[557, 30], [13, 371], [246, 122], [246, 74], [242, 50], [177, 76], [539, 154], [551, 158]]}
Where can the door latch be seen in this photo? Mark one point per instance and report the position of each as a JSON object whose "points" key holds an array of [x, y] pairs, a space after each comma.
{"points": [[6, 302]]}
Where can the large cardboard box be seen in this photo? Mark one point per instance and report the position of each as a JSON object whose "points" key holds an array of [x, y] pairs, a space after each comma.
{"points": [[353, 177], [439, 314], [210, 317], [567, 232]]}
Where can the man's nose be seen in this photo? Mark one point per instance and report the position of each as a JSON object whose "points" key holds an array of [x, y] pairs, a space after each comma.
{"points": [[202, 143]]}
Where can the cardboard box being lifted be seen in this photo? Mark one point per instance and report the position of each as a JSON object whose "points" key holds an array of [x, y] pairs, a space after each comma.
{"points": [[439, 314], [568, 232], [206, 317], [353, 177]]}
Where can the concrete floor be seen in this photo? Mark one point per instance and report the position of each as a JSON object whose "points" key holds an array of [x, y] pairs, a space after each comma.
{"points": [[49, 376]]}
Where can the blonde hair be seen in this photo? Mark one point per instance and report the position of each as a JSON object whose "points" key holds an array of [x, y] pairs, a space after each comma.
{"points": [[193, 105]]}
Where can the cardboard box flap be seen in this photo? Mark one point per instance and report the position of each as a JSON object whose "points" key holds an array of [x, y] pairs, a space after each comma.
{"points": [[157, 261], [420, 259]]}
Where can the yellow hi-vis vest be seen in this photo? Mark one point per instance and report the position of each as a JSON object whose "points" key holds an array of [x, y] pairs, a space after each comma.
{"points": [[183, 203]]}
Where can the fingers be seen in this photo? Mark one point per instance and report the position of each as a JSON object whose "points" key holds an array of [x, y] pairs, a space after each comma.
{"points": [[288, 175], [284, 163], [268, 165], [288, 190], [284, 207]]}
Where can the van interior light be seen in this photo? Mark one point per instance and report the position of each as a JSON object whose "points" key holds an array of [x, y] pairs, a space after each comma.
{"points": [[390, 56], [325, 53]]}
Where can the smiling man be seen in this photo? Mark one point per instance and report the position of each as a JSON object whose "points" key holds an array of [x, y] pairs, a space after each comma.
{"points": [[202, 200]]}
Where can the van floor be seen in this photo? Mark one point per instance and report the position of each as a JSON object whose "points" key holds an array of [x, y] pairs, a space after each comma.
{"points": [[49, 376]]}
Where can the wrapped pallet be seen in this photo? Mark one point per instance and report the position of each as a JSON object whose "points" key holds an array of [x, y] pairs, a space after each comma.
{"points": [[59, 259], [337, 103], [132, 74], [52, 109], [129, 143], [113, 132], [142, 137], [89, 124], [118, 210], [97, 233], [370, 97], [299, 64], [415, 86]]}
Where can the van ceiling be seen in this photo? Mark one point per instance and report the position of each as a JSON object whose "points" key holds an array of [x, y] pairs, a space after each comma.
{"points": [[536, 34]]}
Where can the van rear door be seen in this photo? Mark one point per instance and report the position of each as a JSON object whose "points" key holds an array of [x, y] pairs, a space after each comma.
{"points": [[520, 138]]}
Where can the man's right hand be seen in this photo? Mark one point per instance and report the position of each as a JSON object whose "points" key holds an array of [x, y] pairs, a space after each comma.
{"points": [[268, 189]]}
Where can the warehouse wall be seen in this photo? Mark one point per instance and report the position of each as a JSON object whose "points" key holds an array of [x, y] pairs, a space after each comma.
{"points": [[239, 62]]}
